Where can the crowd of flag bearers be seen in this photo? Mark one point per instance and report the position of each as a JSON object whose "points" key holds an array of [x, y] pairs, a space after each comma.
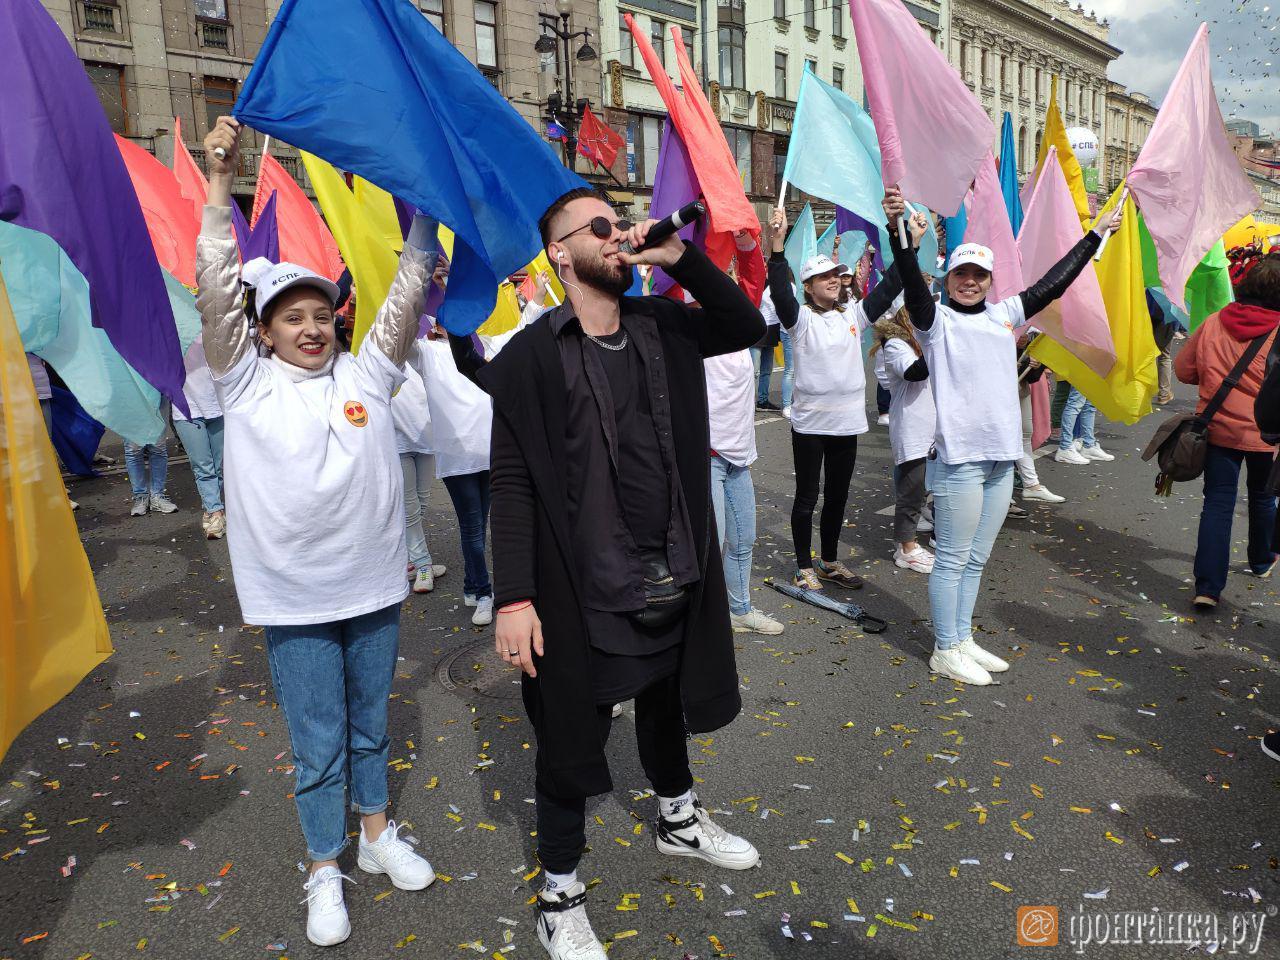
{"points": [[468, 309]]}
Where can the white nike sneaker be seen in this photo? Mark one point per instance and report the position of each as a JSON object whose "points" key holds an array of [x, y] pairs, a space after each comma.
{"points": [[986, 660], [920, 560], [396, 858], [563, 926], [697, 835], [956, 665], [1042, 494], [327, 922], [1070, 455], [1095, 452]]}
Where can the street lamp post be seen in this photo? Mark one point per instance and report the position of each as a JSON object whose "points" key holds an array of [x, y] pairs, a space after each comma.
{"points": [[586, 54]]}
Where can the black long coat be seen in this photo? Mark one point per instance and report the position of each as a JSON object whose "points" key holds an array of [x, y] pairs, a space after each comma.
{"points": [[532, 555]]}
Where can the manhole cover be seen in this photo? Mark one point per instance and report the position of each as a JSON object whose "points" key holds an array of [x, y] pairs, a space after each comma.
{"points": [[475, 670]]}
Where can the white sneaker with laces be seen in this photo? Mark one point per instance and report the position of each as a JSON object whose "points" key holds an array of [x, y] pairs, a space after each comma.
{"points": [[1094, 453], [920, 560], [1069, 455], [563, 926], [162, 504], [139, 508], [327, 922], [484, 612], [955, 665], [882, 420], [985, 659], [786, 412], [755, 621], [424, 581], [697, 835], [1042, 494], [396, 858]]}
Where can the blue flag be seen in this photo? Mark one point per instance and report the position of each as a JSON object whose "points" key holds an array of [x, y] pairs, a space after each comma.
{"points": [[801, 244], [372, 87], [827, 242], [1009, 174]]}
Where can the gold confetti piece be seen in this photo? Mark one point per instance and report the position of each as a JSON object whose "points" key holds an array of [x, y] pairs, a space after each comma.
{"points": [[1154, 872], [383, 895], [625, 934], [852, 904], [844, 858], [454, 817], [795, 889], [1002, 763], [229, 934], [1113, 838], [955, 872], [715, 943], [921, 915], [1081, 809], [142, 944], [1053, 761], [532, 873], [871, 931], [72, 823], [485, 826], [804, 759], [817, 925], [1001, 886], [497, 795], [433, 783], [766, 893], [409, 938], [901, 924], [951, 826], [619, 840], [1019, 831]]}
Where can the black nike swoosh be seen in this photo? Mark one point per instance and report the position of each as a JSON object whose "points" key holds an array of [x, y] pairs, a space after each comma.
{"points": [[695, 843]]}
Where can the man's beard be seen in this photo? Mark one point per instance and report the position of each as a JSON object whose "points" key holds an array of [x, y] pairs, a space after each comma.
{"points": [[603, 276]]}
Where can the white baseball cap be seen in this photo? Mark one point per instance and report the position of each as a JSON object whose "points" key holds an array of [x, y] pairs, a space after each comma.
{"points": [[974, 253], [269, 280], [821, 264]]}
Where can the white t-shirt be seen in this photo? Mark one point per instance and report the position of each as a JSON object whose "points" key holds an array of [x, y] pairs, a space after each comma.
{"points": [[731, 406], [315, 512], [973, 366], [830, 385], [912, 418], [39, 377], [198, 388], [461, 413], [767, 309], [410, 411]]}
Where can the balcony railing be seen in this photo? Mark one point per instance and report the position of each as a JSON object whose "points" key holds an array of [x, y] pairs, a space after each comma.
{"points": [[99, 16], [215, 35]]}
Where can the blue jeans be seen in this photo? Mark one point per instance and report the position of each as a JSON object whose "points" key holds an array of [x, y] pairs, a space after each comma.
{"points": [[788, 370], [135, 464], [970, 501], [202, 439], [1077, 421], [762, 357], [470, 495], [332, 681], [419, 470], [1213, 545], [733, 498]]}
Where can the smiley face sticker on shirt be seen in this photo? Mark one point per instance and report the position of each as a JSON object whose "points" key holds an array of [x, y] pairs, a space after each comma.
{"points": [[355, 413]]}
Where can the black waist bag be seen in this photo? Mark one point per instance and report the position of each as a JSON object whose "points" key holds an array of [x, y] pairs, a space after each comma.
{"points": [[664, 601]]}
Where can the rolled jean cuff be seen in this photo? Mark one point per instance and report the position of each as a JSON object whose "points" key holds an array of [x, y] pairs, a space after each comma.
{"points": [[746, 608], [371, 809], [319, 857]]}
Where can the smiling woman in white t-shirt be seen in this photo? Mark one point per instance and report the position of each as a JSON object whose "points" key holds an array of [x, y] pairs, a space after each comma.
{"points": [[314, 523]]}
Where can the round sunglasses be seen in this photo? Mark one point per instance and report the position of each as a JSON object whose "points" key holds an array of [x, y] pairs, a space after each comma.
{"points": [[600, 227]]}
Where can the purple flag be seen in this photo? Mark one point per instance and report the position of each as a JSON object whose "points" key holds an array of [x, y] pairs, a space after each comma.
{"points": [[404, 213], [675, 184], [242, 229], [848, 220], [61, 173], [264, 238]]}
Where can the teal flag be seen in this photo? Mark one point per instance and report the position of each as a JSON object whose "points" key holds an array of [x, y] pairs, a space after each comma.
{"points": [[827, 242], [802, 243]]}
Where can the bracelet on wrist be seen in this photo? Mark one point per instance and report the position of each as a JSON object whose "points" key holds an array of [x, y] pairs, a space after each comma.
{"points": [[513, 607]]}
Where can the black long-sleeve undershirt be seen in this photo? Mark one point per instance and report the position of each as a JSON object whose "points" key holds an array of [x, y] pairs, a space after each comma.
{"points": [[916, 372]]}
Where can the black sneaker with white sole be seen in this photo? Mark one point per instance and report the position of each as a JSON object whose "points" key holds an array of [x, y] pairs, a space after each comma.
{"points": [[563, 927], [697, 835], [1271, 745]]}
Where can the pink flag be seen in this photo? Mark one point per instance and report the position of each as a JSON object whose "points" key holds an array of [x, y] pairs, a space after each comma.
{"points": [[304, 237], [170, 218], [934, 135], [988, 224], [1188, 181], [191, 179], [1050, 229]]}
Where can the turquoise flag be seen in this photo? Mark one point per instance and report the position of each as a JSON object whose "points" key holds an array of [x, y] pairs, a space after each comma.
{"points": [[50, 299], [827, 242], [802, 243]]}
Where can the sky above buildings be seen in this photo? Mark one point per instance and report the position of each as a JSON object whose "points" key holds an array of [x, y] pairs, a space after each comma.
{"points": [[1244, 36]]}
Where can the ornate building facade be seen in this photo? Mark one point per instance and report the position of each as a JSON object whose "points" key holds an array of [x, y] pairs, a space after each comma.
{"points": [[1130, 115]]}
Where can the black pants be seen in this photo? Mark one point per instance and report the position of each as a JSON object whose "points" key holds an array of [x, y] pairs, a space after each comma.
{"points": [[660, 736], [810, 450], [908, 485]]}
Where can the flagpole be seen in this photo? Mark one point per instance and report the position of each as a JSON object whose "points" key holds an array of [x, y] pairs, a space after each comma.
{"points": [[1124, 196], [782, 193]]}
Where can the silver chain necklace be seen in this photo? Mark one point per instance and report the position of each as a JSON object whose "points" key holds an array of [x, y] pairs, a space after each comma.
{"points": [[621, 345]]}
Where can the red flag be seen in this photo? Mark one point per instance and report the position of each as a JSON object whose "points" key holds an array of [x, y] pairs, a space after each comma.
{"points": [[597, 141], [717, 171], [170, 219], [191, 180], [304, 238]]}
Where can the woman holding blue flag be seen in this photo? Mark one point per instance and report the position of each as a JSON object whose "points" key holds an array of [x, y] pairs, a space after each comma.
{"points": [[309, 436]]}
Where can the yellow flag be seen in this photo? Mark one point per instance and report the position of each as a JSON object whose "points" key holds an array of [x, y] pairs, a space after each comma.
{"points": [[380, 210], [370, 259], [540, 264], [52, 632], [1055, 135], [1125, 394], [506, 313]]}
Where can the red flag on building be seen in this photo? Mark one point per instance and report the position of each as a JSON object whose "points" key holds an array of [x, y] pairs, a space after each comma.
{"points": [[597, 141]]}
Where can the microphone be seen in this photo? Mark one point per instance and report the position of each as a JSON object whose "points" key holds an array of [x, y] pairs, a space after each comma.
{"points": [[665, 227]]}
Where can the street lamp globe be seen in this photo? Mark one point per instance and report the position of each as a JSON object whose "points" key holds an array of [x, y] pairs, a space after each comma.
{"points": [[564, 7], [545, 44], [586, 53]]}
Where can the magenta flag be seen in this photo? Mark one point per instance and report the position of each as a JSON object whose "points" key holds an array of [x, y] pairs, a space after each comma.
{"points": [[988, 224], [1188, 181], [1050, 229], [934, 135]]}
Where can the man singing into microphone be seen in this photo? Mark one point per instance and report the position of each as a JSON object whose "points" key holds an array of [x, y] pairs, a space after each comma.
{"points": [[607, 569]]}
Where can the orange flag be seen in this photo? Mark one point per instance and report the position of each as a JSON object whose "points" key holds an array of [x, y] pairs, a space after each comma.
{"points": [[304, 238], [191, 179], [170, 220]]}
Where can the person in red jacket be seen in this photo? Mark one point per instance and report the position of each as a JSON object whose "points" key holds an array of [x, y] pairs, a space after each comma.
{"points": [[1206, 360]]}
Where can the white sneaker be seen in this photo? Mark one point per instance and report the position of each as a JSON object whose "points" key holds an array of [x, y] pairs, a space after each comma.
{"points": [[882, 420], [484, 612], [140, 505], [786, 412], [396, 858], [162, 504], [925, 523], [920, 560], [327, 922], [616, 711], [1095, 452], [697, 835], [438, 570], [217, 528], [424, 581], [755, 621], [468, 599], [563, 926], [1069, 455], [955, 665], [985, 659], [1041, 493]]}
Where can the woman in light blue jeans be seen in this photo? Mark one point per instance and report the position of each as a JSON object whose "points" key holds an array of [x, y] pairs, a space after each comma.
{"points": [[202, 439], [148, 492]]}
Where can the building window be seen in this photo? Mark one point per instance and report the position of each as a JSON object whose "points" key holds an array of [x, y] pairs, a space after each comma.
{"points": [[780, 76], [740, 147], [780, 9], [1003, 76], [732, 34], [837, 18], [964, 60], [219, 98], [811, 14], [644, 134], [1039, 94], [108, 82], [687, 35], [433, 10], [215, 35], [486, 34], [657, 29], [212, 9], [626, 44], [837, 77], [1022, 80], [99, 16], [1022, 149], [983, 57]]}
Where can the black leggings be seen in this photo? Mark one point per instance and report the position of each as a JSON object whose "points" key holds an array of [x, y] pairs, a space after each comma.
{"points": [[660, 737], [809, 450]]}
